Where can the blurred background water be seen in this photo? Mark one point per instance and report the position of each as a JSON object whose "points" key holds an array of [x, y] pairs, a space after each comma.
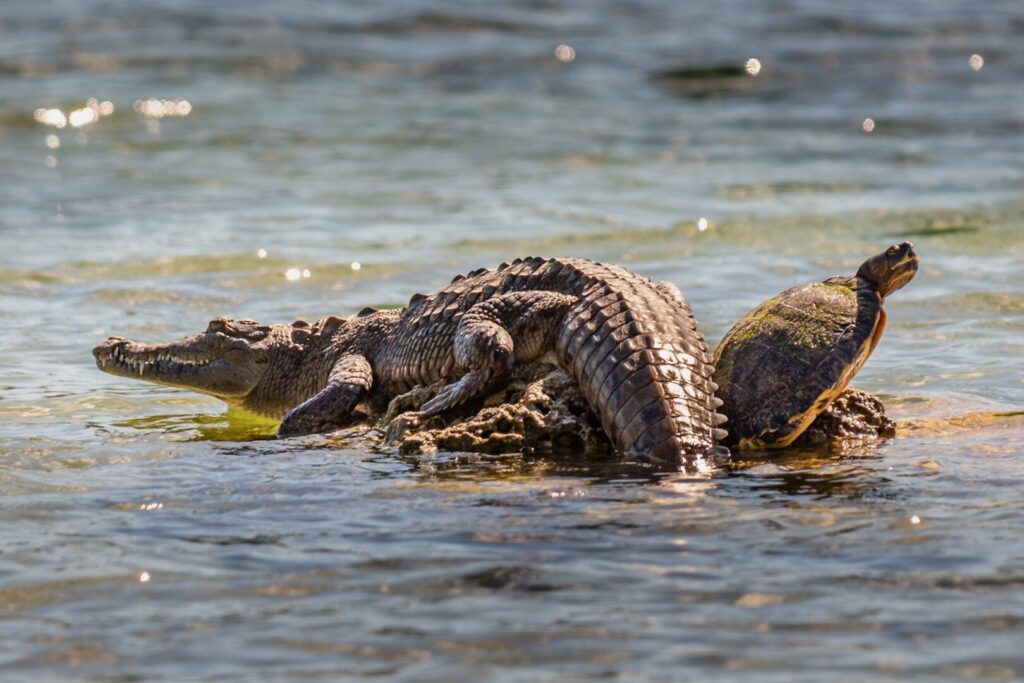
{"points": [[283, 160]]}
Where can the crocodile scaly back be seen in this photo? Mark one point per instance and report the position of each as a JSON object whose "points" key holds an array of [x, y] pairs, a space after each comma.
{"points": [[632, 345]]}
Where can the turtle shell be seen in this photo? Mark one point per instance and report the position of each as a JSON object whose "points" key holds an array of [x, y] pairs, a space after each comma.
{"points": [[785, 361]]}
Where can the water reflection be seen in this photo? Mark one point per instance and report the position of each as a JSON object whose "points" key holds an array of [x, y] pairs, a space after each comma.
{"points": [[819, 473], [90, 113], [51, 117], [158, 109]]}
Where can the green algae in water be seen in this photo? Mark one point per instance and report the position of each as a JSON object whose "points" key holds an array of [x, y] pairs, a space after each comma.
{"points": [[234, 425]]}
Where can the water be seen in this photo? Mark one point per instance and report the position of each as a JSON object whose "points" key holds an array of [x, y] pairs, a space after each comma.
{"points": [[149, 535]]}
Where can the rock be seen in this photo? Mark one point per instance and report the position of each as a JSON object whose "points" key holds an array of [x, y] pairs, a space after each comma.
{"points": [[542, 409], [854, 416]]}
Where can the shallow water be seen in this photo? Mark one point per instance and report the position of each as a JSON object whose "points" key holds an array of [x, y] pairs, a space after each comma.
{"points": [[147, 534]]}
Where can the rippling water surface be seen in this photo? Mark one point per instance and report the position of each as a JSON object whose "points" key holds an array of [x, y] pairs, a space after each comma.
{"points": [[146, 534]]}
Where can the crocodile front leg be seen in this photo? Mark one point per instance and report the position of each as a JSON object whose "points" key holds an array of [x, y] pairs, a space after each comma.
{"points": [[517, 326], [350, 380]]}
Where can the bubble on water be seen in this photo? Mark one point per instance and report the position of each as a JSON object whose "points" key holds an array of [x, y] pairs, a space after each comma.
{"points": [[868, 125], [293, 274], [51, 161], [357, 266], [565, 53], [702, 224], [753, 66], [976, 61], [306, 273], [915, 519], [144, 577], [52, 141], [262, 253]]}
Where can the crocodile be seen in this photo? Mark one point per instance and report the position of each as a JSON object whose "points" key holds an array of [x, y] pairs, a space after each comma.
{"points": [[632, 345]]}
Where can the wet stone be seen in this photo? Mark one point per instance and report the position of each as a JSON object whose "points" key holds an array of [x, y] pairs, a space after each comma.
{"points": [[543, 411], [854, 416]]}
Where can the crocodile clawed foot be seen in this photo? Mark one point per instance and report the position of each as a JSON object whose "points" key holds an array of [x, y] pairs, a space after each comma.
{"points": [[300, 422], [410, 401], [475, 384], [287, 430], [447, 398]]}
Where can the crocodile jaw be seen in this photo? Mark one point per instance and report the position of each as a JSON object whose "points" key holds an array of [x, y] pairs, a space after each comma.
{"points": [[192, 363]]}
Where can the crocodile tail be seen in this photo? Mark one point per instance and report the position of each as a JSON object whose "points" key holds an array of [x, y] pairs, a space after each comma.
{"points": [[636, 352]]}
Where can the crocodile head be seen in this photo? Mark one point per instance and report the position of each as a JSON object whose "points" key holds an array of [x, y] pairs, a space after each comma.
{"points": [[229, 360]]}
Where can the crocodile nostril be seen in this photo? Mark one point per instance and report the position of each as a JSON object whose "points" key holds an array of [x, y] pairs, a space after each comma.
{"points": [[109, 346]]}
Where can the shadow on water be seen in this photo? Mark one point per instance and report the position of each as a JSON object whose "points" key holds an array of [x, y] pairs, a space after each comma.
{"points": [[602, 468], [824, 472]]}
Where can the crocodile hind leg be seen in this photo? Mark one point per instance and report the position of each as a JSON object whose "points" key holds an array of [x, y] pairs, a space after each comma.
{"points": [[349, 382], [516, 326]]}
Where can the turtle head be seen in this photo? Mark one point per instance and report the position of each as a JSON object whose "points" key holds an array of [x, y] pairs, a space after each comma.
{"points": [[891, 269]]}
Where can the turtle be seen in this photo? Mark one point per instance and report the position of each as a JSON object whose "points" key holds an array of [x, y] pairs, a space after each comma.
{"points": [[785, 361]]}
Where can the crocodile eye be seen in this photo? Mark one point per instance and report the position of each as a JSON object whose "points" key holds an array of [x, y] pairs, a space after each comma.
{"points": [[218, 325], [892, 251]]}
